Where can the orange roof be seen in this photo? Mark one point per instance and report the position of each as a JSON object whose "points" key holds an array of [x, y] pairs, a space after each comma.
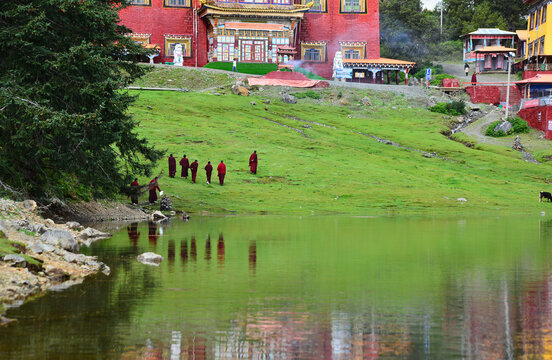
{"points": [[253, 26], [379, 61], [150, 46], [539, 79], [522, 34], [495, 49]]}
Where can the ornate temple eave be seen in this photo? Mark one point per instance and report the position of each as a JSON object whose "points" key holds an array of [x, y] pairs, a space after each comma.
{"points": [[378, 63], [213, 8]]}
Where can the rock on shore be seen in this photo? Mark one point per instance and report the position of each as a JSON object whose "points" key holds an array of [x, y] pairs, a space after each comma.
{"points": [[45, 254]]}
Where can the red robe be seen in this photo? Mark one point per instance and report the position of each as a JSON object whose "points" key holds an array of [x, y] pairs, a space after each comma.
{"points": [[474, 79], [172, 166], [221, 168], [185, 165], [208, 172], [134, 192], [193, 168], [253, 163], [153, 186]]}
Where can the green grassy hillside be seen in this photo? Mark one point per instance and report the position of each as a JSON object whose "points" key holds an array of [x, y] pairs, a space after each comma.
{"points": [[314, 159]]}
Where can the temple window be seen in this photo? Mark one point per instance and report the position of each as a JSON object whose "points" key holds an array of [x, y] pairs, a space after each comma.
{"points": [[281, 2], [140, 2], [353, 6], [353, 50], [530, 49], [176, 3], [172, 40], [315, 52], [537, 17], [544, 10], [140, 38], [532, 21], [318, 5], [254, 1], [541, 47]]}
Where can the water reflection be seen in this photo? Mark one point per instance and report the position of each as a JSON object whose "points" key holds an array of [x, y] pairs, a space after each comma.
{"points": [[220, 250], [133, 234], [324, 289], [152, 233]]}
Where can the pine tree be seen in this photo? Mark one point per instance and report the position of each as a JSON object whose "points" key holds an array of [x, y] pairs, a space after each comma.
{"points": [[64, 125]]}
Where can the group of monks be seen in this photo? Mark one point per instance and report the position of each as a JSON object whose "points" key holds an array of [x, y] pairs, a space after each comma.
{"points": [[185, 163], [193, 167]]}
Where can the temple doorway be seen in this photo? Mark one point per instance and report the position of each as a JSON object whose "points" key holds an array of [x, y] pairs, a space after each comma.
{"points": [[253, 50]]}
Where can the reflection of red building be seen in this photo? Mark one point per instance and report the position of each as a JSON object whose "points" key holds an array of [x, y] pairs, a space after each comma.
{"points": [[252, 30]]}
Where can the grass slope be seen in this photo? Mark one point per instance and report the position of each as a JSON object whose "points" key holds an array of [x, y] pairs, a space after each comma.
{"points": [[245, 68], [333, 169], [181, 77]]}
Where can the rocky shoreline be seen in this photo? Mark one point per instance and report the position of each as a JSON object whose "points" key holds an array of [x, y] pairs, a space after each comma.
{"points": [[39, 255]]}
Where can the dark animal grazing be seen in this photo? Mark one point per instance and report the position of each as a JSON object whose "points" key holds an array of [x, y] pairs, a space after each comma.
{"points": [[545, 195]]}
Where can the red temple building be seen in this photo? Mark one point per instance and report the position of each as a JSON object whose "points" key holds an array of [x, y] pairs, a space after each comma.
{"points": [[253, 30]]}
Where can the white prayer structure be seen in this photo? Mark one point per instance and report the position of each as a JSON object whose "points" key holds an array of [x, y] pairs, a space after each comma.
{"points": [[151, 56], [178, 59], [337, 64]]}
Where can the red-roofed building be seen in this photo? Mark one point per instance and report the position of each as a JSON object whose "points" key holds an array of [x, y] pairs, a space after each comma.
{"points": [[253, 30]]}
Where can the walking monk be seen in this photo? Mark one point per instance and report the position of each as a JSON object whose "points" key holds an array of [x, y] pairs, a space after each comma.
{"points": [[253, 163], [185, 165], [193, 168], [153, 186], [208, 171], [134, 191], [221, 169], [172, 166]]}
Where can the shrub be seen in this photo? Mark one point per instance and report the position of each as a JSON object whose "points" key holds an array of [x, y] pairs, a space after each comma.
{"points": [[307, 94], [490, 130], [453, 108], [519, 126], [438, 79]]}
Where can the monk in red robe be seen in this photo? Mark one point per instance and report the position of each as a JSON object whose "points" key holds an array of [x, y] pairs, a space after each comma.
{"points": [[134, 191], [185, 166], [253, 163], [208, 171], [221, 169], [172, 166], [153, 187], [193, 169]]}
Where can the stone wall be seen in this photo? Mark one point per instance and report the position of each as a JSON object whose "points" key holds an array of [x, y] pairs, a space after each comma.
{"points": [[539, 118], [493, 94]]}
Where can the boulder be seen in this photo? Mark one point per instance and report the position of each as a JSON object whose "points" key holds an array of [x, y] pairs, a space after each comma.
{"points": [[157, 215], [29, 205], [90, 235], [38, 248], [253, 103], [431, 102], [267, 101], [503, 126], [150, 258], [15, 260], [61, 238], [462, 199], [344, 102], [38, 228], [240, 90], [73, 225], [366, 101], [289, 99]]}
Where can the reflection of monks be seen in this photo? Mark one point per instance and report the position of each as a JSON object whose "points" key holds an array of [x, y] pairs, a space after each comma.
{"points": [[220, 249], [171, 251], [152, 233], [193, 249], [208, 248], [133, 233], [252, 255], [184, 251]]}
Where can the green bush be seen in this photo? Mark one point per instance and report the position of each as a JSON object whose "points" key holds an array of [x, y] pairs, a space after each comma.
{"points": [[490, 130], [438, 79], [519, 126], [307, 94], [435, 70], [453, 108]]}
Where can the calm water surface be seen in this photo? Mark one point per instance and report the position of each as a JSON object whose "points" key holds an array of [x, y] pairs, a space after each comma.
{"points": [[310, 288]]}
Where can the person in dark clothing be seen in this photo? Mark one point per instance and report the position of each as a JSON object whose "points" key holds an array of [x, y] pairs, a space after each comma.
{"points": [[208, 171], [221, 169], [172, 166], [193, 169], [185, 166]]}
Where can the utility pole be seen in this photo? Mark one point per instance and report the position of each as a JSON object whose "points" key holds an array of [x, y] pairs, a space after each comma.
{"points": [[441, 18], [508, 90]]}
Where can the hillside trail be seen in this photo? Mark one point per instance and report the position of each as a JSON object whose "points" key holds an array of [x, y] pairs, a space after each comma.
{"points": [[476, 130]]}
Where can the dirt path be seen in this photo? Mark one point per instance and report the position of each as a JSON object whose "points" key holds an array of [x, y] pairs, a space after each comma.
{"points": [[477, 129]]}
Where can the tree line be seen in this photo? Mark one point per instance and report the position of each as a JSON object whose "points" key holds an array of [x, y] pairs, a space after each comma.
{"points": [[410, 32]]}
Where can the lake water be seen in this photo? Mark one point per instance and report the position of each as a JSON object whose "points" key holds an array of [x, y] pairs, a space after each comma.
{"points": [[304, 288]]}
